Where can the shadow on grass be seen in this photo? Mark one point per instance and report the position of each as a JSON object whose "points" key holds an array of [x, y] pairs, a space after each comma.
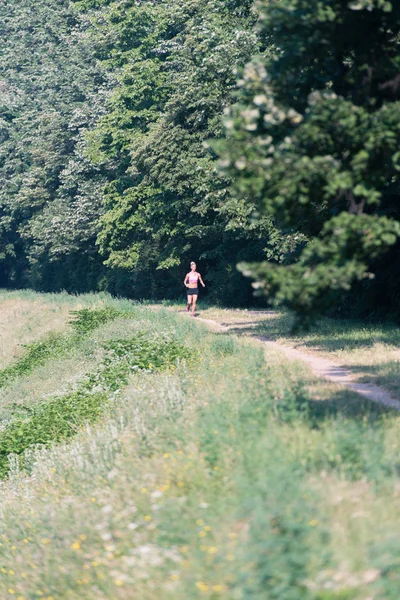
{"points": [[330, 335], [386, 375], [342, 404]]}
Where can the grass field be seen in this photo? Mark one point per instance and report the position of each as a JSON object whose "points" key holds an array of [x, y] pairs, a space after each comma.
{"points": [[154, 459], [372, 351]]}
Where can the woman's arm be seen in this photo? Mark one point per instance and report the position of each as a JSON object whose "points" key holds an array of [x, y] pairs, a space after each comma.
{"points": [[185, 280], [201, 281]]}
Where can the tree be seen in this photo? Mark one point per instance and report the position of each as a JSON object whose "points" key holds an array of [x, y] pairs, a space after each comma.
{"points": [[166, 202], [52, 90], [314, 141]]}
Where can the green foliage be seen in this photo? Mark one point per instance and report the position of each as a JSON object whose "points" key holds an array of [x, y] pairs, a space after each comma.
{"points": [[166, 202], [330, 263], [148, 352], [52, 90], [37, 354], [62, 417], [87, 319], [50, 422], [224, 346], [314, 140], [56, 345]]}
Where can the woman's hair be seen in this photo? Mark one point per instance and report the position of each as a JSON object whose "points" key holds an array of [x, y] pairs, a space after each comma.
{"points": [[192, 263]]}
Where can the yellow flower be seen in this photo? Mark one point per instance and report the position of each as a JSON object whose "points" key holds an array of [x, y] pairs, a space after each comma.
{"points": [[11, 591], [218, 588], [313, 523], [147, 518], [207, 528], [175, 577], [11, 572], [46, 541], [199, 522], [202, 534], [118, 582], [203, 587], [167, 455], [212, 550], [76, 546]]}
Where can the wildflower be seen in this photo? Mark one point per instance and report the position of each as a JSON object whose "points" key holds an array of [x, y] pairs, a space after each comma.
{"points": [[147, 518], [212, 550], [202, 534], [76, 546], [203, 587], [313, 523], [118, 582], [11, 591], [207, 528], [218, 588], [199, 522]]}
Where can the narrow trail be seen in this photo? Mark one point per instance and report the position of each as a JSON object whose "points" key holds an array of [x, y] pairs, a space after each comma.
{"points": [[321, 367]]}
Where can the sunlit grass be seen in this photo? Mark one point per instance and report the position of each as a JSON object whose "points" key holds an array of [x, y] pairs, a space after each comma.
{"points": [[371, 351], [238, 475]]}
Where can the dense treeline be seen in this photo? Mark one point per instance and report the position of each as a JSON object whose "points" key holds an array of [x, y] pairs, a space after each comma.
{"points": [[107, 108], [315, 141], [111, 175]]}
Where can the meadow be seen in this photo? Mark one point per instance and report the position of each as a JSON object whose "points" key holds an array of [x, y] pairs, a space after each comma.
{"points": [[143, 455]]}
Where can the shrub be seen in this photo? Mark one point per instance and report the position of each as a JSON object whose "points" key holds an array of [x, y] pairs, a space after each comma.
{"points": [[88, 319]]}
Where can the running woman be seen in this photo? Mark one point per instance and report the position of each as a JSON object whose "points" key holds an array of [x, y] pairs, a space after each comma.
{"points": [[191, 281]]}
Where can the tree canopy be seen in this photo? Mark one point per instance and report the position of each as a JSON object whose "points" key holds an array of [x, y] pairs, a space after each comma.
{"points": [[136, 136], [314, 140]]}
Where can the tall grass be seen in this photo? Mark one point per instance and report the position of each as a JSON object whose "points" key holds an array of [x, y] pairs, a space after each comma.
{"points": [[217, 477]]}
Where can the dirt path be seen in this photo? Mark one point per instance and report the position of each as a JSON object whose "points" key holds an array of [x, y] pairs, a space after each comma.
{"points": [[321, 367]]}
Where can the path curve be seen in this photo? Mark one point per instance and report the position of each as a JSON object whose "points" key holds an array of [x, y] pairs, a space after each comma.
{"points": [[324, 368]]}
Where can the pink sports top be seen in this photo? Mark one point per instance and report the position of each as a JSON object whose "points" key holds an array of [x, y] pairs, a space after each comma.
{"points": [[193, 277]]}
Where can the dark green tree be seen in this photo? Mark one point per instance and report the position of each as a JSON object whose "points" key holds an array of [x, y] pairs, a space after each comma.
{"points": [[52, 90], [167, 203], [314, 141]]}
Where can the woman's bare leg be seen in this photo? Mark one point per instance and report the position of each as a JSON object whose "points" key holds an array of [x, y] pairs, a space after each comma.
{"points": [[194, 304]]}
